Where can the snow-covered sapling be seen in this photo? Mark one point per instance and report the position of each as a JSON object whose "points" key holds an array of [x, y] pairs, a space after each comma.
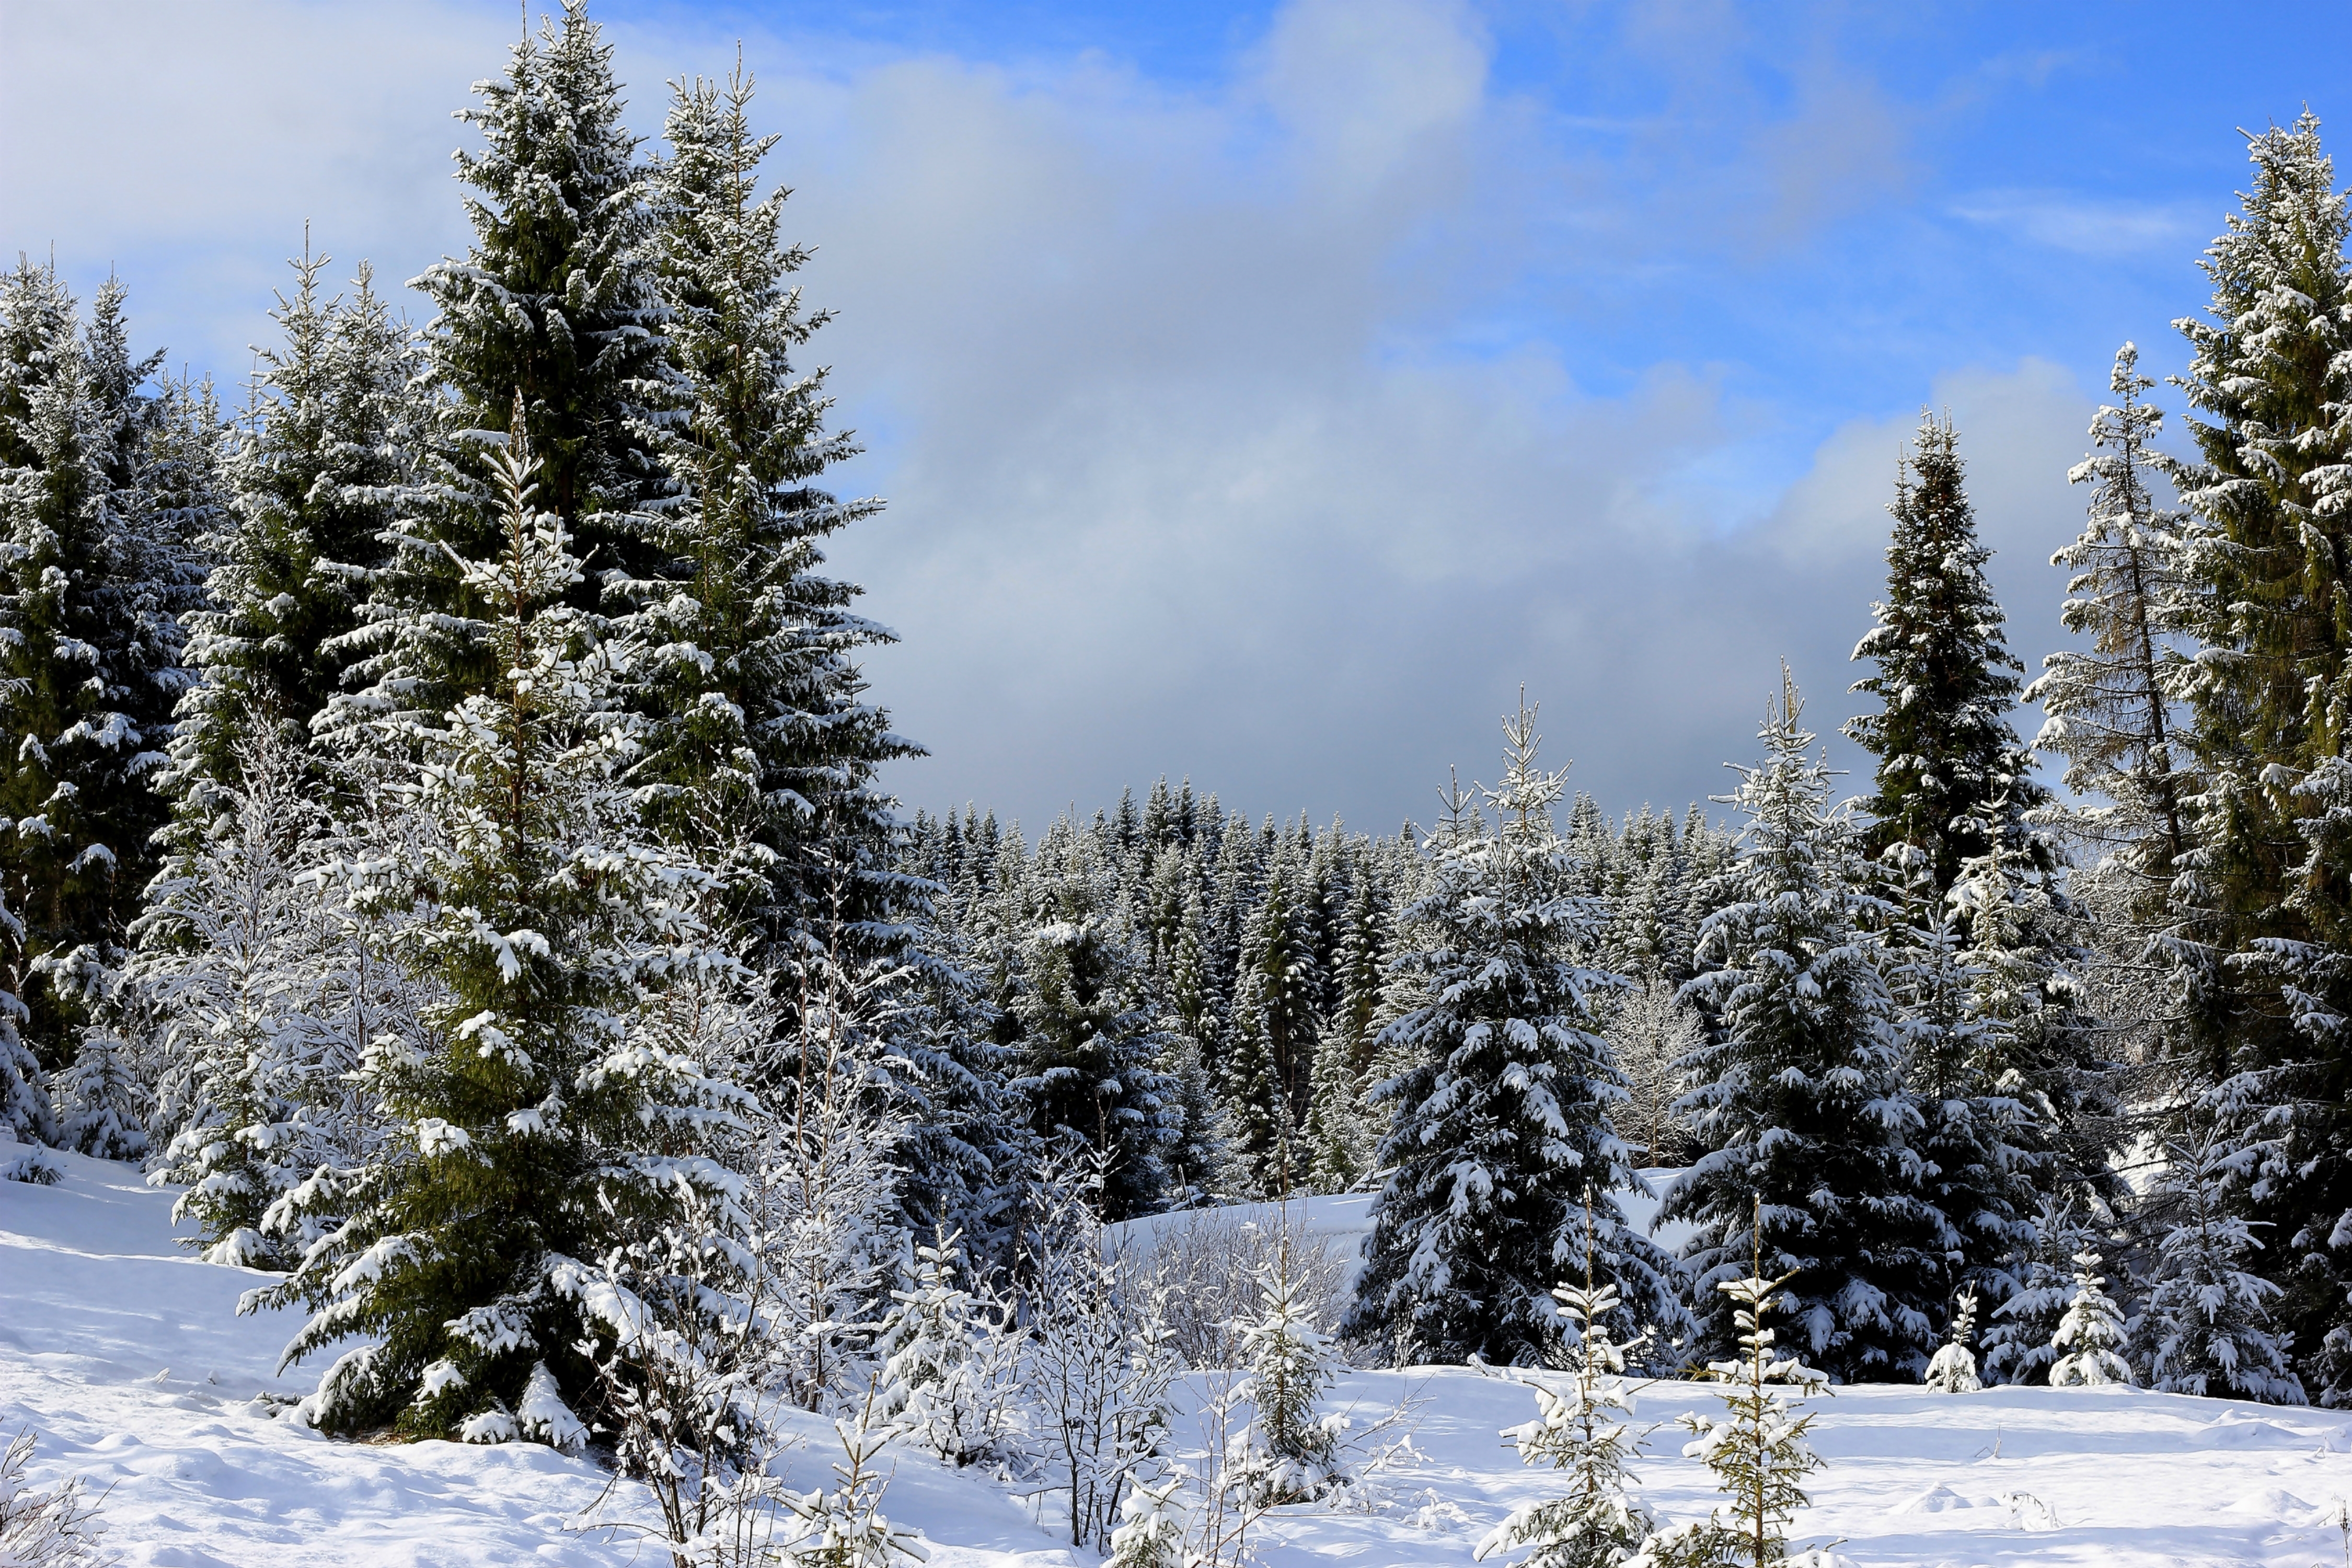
{"points": [[950, 1359], [1757, 1450], [1585, 1431], [45, 1528], [1954, 1368], [2090, 1338], [2207, 1328], [844, 1527], [1292, 1454], [1152, 1534]]}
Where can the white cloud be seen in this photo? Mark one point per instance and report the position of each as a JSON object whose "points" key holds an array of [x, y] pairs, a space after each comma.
{"points": [[2085, 225]]}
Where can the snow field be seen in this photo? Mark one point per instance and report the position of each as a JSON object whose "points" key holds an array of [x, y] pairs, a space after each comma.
{"points": [[123, 1352]]}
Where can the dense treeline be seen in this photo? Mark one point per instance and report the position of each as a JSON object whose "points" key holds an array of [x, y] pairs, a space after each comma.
{"points": [[441, 831]]}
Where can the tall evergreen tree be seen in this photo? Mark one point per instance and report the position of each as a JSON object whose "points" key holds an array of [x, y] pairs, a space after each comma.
{"points": [[2268, 569], [1501, 1124], [1801, 1101], [1269, 1046], [760, 715], [324, 453], [553, 310], [94, 576], [548, 1116], [2110, 707], [1945, 679]]}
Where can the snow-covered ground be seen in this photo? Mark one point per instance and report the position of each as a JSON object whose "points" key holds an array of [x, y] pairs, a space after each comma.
{"points": [[125, 1354]]}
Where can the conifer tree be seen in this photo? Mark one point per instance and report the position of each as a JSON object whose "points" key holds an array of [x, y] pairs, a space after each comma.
{"points": [[2090, 1338], [760, 716], [2017, 1341], [2111, 706], [1586, 1432], [322, 454], [1757, 1450], [1269, 1046], [1953, 1369], [93, 579], [1945, 679], [1980, 1143], [2206, 1328], [2266, 565], [1089, 1049], [554, 310], [548, 1111], [1801, 1101], [1501, 1120]]}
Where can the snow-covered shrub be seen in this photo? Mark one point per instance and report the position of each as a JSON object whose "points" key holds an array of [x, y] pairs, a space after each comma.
{"points": [[1757, 1450], [1152, 1528], [1953, 1369], [1587, 1432], [2017, 1340], [28, 1163], [1100, 1366], [1206, 1267], [844, 1527], [56, 1529], [2090, 1339]]}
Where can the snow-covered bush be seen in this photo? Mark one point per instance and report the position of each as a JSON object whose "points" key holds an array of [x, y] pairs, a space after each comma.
{"points": [[1206, 1268], [56, 1529], [1953, 1369], [2090, 1339], [844, 1527], [1100, 1366]]}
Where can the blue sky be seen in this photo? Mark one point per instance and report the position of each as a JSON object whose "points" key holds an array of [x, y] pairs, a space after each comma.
{"points": [[1265, 392]]}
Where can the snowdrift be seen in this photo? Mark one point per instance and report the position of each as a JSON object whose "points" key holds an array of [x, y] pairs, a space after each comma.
{"points": [[123, 1352]]}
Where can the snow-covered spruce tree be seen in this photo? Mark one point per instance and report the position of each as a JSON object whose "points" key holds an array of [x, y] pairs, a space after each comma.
{"points": [[2206, 1326], [26, 1114], [2265, 567], [1801, 1101], [2090, 1340], [1088, 1048], [1946, 679], [312, 480], [542, 1118], [93, 579], [2110, 707], [1953, 1369], [1586, 1432], [554, 310], [763, 742], [1502, 1121], [2017, 1337], [1292, 1454], [1757, 1450], [1980, 1143]]}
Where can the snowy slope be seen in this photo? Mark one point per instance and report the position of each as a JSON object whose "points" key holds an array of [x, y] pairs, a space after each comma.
{"points": [[123, 1352]]}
